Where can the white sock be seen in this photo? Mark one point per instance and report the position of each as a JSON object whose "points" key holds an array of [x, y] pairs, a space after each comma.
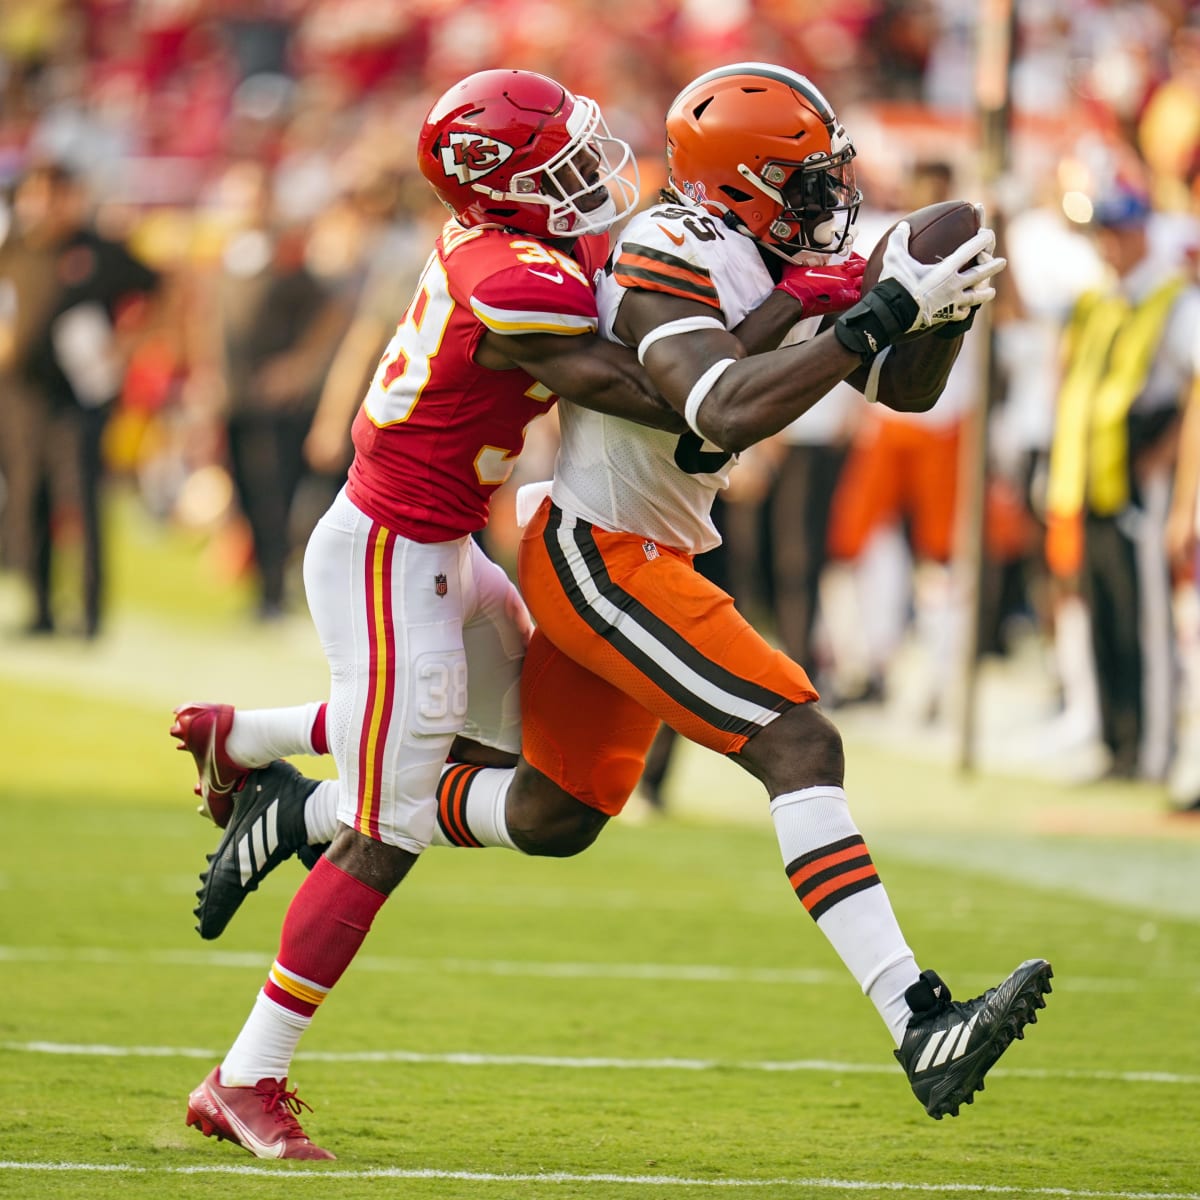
{"points": [[320, 812], [483, 809], [266, 1045], [832, 873], [471, 806], [261, 735]]}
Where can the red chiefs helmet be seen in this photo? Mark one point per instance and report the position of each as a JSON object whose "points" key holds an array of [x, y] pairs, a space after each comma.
{"points": [[760, 146], [516, 149]]}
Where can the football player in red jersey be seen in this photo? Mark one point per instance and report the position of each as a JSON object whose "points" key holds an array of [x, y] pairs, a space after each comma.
{"points": [[407, 606]]}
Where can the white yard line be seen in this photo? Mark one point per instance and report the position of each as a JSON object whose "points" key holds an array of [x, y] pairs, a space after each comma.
{"points": [[574, 1063], [808, 1186], [623, 972]]}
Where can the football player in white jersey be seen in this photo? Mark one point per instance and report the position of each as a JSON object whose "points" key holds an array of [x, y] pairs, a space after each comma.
{"points": [[762, 185], [748, 250]]}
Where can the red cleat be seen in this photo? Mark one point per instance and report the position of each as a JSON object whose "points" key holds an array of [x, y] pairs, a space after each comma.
{"points": [[260, 1119], [201, 729]]}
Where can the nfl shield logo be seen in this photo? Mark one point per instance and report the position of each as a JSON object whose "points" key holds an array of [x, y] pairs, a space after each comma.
{"points": [[650, 550], [439, 585]]}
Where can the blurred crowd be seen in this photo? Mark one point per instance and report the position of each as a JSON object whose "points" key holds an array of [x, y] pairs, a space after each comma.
{"points": [[211, 222]]}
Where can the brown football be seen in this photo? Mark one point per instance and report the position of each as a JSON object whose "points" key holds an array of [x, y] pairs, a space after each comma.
{"points": [[937, 229]]}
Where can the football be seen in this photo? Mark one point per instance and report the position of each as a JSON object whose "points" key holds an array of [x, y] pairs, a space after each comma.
{"points": [[937, 229]]}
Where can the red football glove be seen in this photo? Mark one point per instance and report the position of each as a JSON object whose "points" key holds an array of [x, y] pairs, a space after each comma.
{"points": [[825, 289]]}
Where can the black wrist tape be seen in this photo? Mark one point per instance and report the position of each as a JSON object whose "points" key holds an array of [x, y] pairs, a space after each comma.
{"points": [[877, 320]]}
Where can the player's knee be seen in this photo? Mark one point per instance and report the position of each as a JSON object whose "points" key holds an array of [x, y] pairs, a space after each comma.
{"points": [[374, 863], [825, 754], [547, 822], [556, 835], [800, 748]]}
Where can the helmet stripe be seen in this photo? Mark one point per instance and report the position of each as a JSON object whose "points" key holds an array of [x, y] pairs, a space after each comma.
{"points": [[792, 79]]}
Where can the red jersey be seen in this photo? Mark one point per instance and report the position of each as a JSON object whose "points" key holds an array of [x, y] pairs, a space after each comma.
{"points": [[437, 433]]}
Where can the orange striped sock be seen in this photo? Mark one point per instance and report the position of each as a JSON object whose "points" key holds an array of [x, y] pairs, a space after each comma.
{"points": [[471, 806], [831, 872], [453, 789]]}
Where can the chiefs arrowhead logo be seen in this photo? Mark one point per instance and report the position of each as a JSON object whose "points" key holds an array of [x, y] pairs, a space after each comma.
{"points": [[468, 155]]}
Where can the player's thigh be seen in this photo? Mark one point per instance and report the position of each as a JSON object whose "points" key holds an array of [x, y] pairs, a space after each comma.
{"points": [[496, 630], [584, 736], [643, 619], [389, 613]]}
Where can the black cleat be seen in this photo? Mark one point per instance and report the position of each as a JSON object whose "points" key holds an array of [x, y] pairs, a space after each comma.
{"points": [[265, 829], [949, 1047]]}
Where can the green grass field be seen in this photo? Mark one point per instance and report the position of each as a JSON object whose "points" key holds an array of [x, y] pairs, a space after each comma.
{"points": [[655, 1018]]}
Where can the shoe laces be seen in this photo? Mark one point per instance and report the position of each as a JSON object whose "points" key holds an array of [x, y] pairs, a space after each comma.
{"points": [[285, 1106]]}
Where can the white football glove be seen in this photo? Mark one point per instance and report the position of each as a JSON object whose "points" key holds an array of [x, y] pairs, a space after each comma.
{"points": [[950, 289]]}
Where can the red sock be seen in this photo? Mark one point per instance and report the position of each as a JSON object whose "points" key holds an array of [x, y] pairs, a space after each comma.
{"points": [[325, 924], [319, 738]]}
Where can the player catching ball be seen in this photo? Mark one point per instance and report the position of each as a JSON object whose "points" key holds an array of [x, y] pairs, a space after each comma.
{"points": [[749, 247]]}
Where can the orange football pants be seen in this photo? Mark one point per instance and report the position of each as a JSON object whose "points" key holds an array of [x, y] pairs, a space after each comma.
{"points": [[630, 634], [895, 469]]}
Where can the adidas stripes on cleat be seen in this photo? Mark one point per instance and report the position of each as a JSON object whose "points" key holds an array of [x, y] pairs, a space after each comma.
{"points": [[949, 1047], [265, 829]]}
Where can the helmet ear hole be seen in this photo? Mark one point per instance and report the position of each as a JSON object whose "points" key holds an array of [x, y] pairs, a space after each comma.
{"points": [[736, 194]]}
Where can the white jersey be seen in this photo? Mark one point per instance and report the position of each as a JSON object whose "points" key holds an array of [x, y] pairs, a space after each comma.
{"points": [[624, 477]]}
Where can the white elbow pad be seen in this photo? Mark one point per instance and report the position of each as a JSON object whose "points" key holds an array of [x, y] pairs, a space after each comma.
{"points": [[674, 329], [700, 390]]}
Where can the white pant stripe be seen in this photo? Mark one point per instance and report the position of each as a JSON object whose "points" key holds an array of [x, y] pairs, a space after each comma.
{"points": [[704, 689]]}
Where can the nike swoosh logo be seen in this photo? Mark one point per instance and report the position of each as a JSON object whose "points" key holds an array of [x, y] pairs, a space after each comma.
{"points": [[216, 783], [555, 278], [677, 238]]}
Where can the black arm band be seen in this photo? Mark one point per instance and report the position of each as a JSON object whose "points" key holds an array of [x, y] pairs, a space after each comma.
{"points": [[877, 320], [953, 329]]}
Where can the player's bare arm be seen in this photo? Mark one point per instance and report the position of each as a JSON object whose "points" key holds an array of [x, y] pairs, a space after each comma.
{"points": [[585, 370], [913, 375], [756, 396], [765, 327], [736, 401], [802, 291]]}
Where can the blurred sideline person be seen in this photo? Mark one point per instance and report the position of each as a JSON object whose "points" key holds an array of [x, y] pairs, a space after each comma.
{"points": [[270, 330], [628, 633], [1182, 542], [408, 608], [1183, 521], [1131, 360], [71, 301], [901, 477], [813, 453], [1032, 308]]}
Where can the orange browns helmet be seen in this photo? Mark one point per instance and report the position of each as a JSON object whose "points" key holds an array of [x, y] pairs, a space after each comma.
{"points": [[760, 146], [516, 149]]}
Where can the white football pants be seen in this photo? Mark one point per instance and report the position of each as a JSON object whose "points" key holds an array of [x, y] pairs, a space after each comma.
{"points": [[423, 642]]}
